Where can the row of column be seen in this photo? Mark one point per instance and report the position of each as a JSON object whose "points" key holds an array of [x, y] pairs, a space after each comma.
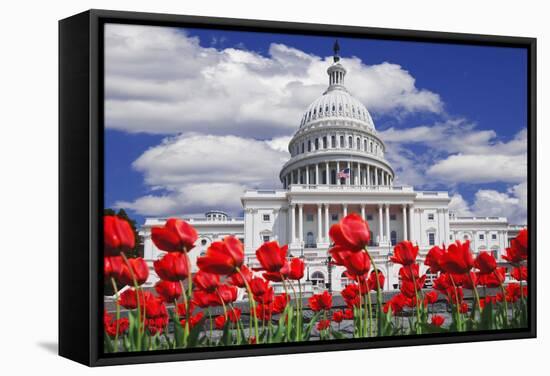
{"points": [[360, 174], [384, 229], [337, 141]]}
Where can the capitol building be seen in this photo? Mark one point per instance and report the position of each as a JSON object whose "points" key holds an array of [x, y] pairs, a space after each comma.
{"points": [[338, 166]]}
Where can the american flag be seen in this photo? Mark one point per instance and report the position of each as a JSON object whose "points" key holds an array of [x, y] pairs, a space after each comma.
{"points": [[344, 174]]}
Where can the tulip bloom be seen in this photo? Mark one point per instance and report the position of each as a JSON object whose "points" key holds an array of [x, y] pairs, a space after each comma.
{"points": [[204, 299], [128, 298], [338, 255], [236, 279], [226, 294], [320, 302], [404, 253], [372, 284], [433, 258], [225, 257], [175, 236], [219, 322], [458, 259], [111, 327], [485, 262], [193, 321], [112, 267], [323, 324], [168, 291], [280, 302], [118, 235], [206, 281], [348, 314], [352, 233], [338, 316], [443, 282], [494, 279], [519, 273], [172, 266], [437, 320], [271, 256], [357, 263], [135, 268], [259, 286], [351, 295], [294, 270], [431, 297]]}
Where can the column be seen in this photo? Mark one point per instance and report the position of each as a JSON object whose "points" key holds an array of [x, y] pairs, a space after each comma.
{"points": [[348, 180], [317, 174], [388, 222], [292, 223], [319, 225], [307, 175], [411, 222], [345, 209], [380, 232], [337, 171], [359, 174], [326, 224], [368, 174], [363, 211], [301, 223], [405, 235], [375, 176], [299, 176], [327, 174]]}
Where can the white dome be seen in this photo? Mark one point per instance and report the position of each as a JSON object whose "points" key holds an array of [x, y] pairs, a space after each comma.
{"points": [[337, 104]]}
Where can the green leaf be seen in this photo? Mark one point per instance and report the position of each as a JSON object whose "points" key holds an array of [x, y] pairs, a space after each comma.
{"points": [[309, 326], [194, 333], [178, 330], [337, 335]]}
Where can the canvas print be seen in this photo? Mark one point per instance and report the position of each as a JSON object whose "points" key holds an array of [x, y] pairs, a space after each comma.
{"points": [[271, 188]]}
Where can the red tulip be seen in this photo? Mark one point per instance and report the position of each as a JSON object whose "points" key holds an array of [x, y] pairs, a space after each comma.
{"points": [[433, 258], [397, 303], [351, 295], [410, 273], [352, 233], [118, 235], [518, 250], [453, 295], [339, 255], [494, 279], [320, 302], [156, 315], [514, 292], [266, 298], [408, 287], [219, 322], [236, 279], [137, 269], [431, 297], [259, 286], [338, 316], [193, 321], [457, 259], [404, 253], [280, 302], [128, 298], [204, 299], [263, 312], [523, 241], [206, 281], [168, 291], [271, 256], [226, 294], [295, 269], [437, 320], [464, 307], [112, 267], [223, 257], [372, 284], [173, 266], [348, 314], [442, 283], [519, 273], [111, 327], [323, 324], [182, 309], [234, 315], [485, 262], [175, 236], [357, 263]]}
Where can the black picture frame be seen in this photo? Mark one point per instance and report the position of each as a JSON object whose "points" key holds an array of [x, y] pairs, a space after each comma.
{"points": [[81, 183]]}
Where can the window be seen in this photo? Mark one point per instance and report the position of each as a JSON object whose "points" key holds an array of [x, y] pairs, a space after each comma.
{"points": [[318, 279], [309, 145], [431, 216], [494, 236], [350, 142], [393, 217], [371, 147], [481, 237], [451, 236], [325, 142], [370, 217], [309, 217], [365, 145], [358, 143], [267, 217], [310, 240], [334, 217], [393, 237], [204, 241], [431, 238], [265, 238], [333, 141], [316, 144], [341, 141], [303, 146]]}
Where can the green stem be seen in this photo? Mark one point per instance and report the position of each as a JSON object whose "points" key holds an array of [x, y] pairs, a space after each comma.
{"points": [[141, 321], [418, 326], [476, 295], [113, 282], [252, 304], [458, 314], [370, 313], [378, 295], [186, 328]]}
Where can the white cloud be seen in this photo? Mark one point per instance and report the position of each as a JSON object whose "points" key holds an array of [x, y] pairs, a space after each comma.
{"points": [[160, 80], [197, 172], [511, 204]]}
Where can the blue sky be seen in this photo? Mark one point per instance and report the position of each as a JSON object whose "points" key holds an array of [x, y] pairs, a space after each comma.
{"points": [[438, 107]]}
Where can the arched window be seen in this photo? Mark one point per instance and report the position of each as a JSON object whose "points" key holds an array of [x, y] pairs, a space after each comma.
{"points": [[318, 279], [393, 236], [325, 142], [333, 141], [371, 147], [316, 144], [350, 142], [344, 280], [365, 145], [341, 141], [358, 144], [308, 145]]}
